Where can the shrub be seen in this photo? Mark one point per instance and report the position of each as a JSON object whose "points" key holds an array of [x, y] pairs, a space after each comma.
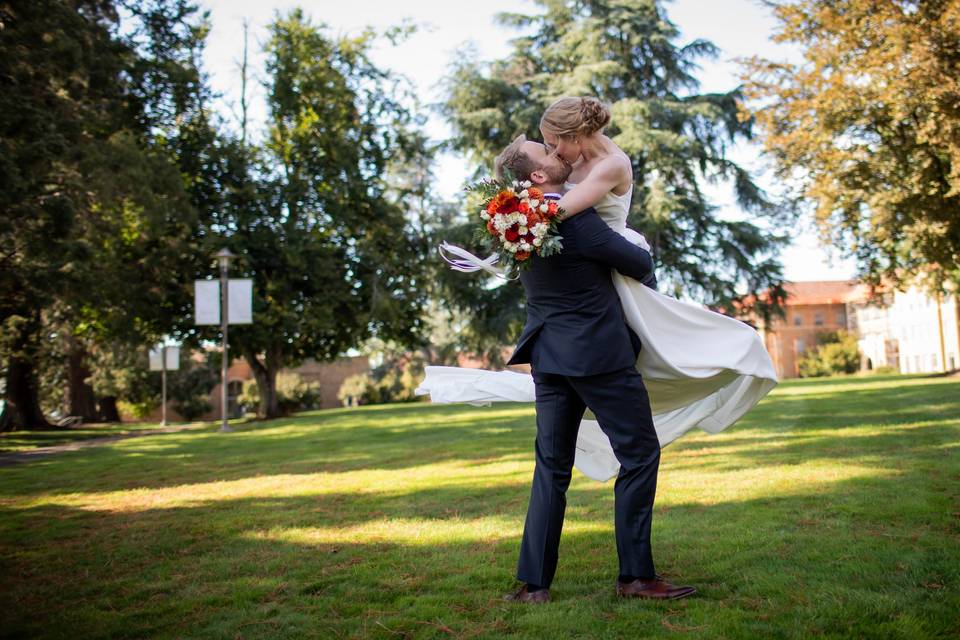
{"points": [[394, 381], [836, 352], [293, 393]]}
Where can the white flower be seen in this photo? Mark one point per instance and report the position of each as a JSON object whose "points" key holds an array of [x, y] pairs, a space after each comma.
{"points": [[484, 215], [525, 247], [537, 242], [524, 193], [543, 208], [534, 203], [526, 184], [523, 231]]}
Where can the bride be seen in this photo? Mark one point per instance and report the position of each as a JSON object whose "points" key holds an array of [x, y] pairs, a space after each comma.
{"points": [[701, 369]]}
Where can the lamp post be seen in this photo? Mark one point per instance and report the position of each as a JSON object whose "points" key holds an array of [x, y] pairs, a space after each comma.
{"points": [[223, 257]]}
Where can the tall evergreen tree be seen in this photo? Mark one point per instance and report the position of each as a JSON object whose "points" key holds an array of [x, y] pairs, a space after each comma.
{"points": [[625, 53]]}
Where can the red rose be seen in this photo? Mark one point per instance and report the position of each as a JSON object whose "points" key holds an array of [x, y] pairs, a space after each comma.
{"points": [[511, 234], [528, 238], [508, 205], [523, 207], [492, 229]]}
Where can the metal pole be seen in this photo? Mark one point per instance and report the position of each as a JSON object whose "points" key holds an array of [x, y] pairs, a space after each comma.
{"points": [[163, 377], [224, 322], [943, 349]]}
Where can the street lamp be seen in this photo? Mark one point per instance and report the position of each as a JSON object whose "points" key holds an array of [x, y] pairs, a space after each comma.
{"points": [[223, 257]]}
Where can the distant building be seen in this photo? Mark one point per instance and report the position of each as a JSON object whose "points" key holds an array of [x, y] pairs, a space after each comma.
{"points": [[907, 330], [812, 308]]}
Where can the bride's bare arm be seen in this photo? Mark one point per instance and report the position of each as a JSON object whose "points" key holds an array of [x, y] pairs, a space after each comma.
{"points": [[602, 179]]}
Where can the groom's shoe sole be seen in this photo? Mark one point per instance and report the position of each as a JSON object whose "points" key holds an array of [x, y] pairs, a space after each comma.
{"points": [[656, 589]]}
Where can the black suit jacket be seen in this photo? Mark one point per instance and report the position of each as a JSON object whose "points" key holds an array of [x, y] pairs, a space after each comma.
{"points": [[575, 324]]}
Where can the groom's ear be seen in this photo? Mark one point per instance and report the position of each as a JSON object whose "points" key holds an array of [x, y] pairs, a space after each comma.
{"points": [[538, 177]]}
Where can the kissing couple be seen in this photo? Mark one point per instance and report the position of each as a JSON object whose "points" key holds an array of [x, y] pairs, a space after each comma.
{"points": [[599, 336]]}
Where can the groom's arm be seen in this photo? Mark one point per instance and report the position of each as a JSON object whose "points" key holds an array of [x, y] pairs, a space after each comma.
{"points": [[601, 243]]}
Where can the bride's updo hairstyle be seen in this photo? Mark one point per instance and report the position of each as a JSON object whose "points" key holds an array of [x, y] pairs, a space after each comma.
{"points": [[575, 117]]}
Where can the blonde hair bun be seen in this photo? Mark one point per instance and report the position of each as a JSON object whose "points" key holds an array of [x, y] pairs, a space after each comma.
{"points": [[571, 117], [595, 115]]}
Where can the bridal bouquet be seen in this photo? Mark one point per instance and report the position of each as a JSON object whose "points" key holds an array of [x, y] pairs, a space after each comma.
{"points": [[516, 222]]}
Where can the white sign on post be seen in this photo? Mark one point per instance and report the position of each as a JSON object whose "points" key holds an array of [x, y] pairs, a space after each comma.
{"points": [[240, 301], [173, 358], [206, 301], [206, 296]]}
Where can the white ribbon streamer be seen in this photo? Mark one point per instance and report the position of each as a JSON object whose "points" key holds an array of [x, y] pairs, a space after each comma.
{"points": [[469, 263]]}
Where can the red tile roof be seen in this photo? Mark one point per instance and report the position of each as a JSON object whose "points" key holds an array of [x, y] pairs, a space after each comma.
{"points": [[821, 292]]}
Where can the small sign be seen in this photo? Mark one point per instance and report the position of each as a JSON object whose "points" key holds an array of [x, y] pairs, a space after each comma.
{"points": [[240, 301], [173, 358], [207, 301]]}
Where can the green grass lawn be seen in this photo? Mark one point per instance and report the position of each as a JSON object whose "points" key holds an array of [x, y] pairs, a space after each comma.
{"points": [[832, 510]]}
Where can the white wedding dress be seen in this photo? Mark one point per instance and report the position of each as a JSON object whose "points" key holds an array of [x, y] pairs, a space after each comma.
{"points": [[701, 369]]}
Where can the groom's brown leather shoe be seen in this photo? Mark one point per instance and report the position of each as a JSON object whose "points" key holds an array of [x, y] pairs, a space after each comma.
{"points": [[654, 589], [522, 595]]}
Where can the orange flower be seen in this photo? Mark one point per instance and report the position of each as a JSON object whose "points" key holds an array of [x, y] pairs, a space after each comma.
{"points": [[535, 193], [523, 207], [551, 209], [492, 229], [533, 218], [520, 256]]}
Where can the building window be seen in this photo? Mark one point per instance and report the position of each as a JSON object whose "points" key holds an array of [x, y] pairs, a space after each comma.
{"points": [[818, 319], [799, 345], [953, 362], [841, 318], [797, 319]]}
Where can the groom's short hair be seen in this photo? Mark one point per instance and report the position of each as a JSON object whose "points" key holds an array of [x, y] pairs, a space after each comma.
{"points": [[514, 160]]}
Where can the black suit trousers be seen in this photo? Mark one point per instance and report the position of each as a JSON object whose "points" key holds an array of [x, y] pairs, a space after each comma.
{"points": [[620, 402]]}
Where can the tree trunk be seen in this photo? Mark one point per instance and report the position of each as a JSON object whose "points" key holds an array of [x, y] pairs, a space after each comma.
{"points": [[21, 409], [108, 409], [81, 399], [265, 373]]}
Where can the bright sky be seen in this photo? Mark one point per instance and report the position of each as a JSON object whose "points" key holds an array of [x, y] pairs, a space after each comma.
{"points": [[738, 27]]}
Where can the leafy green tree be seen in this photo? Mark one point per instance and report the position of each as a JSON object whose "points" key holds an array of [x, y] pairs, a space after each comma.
{"points": [[625, 53], [333, 256], [93, 209], [867, 129]]}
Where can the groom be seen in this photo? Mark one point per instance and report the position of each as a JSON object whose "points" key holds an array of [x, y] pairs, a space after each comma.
{"points": [[582, 354]]}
